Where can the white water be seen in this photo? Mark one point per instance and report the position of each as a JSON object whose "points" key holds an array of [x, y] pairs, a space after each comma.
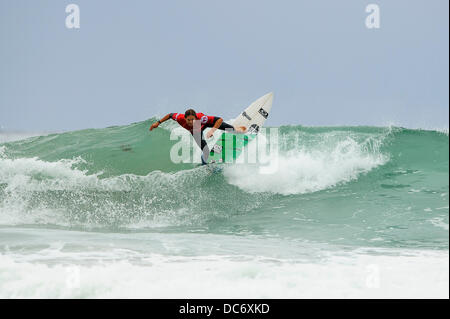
{"points": [[355, 275], [305, 170]]}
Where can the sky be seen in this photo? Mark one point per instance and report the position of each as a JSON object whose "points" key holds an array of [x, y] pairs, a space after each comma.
{"points": [[132, 60]]}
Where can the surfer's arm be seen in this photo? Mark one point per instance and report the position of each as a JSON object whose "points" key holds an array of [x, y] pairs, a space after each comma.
{"points": [[217, 123], [165, 118]]}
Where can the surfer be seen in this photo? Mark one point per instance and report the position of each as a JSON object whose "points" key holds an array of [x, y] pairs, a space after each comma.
{"points": [[196, 123]]}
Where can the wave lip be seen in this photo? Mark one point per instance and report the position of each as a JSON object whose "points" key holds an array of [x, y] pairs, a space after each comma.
{"points": [[334, 160]]}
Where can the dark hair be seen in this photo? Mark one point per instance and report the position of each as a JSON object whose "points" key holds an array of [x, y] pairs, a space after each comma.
{"points": [[190, 112]]}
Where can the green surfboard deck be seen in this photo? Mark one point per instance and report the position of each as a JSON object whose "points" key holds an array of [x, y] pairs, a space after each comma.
{"points": [[228, 147]]}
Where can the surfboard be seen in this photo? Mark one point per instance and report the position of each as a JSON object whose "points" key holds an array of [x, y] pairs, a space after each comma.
{"points": [[230, 145]]}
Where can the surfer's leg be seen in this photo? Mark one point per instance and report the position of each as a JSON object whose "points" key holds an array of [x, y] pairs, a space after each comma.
{"points": [[205, 151], [199, 139]]}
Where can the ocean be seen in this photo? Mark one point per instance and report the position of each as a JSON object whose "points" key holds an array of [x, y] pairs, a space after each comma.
{"points": [[350, 212]]}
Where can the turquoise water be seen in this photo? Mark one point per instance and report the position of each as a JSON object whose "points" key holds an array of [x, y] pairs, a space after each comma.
{"points": [[348, 212]]}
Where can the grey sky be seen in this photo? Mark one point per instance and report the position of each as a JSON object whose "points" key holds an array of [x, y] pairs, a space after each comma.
{"points": [[131, 60]]}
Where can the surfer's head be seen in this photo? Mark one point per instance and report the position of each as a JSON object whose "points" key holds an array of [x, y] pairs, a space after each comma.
{"points": [[190, 115]]}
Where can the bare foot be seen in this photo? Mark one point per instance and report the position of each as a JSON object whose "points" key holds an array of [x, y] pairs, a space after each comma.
{"points": [[240, 129]]}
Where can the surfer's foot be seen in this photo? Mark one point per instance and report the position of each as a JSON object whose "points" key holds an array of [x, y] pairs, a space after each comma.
{"points": [[204, 162]]}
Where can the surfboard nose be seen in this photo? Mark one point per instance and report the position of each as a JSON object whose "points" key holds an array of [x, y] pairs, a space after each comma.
{"points": [[269, 99], [269, 96]]}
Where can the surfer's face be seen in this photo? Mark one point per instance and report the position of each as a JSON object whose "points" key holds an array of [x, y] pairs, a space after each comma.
{"points": [[190, 120]]}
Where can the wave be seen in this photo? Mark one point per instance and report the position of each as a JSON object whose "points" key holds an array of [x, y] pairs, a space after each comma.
{"points": [[122, 177]]}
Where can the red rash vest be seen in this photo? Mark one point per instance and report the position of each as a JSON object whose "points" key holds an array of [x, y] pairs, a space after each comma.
{"points": [[205, 120]]}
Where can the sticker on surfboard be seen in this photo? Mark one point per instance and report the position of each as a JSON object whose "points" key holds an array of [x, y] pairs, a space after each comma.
{"points": [[253, 129]]}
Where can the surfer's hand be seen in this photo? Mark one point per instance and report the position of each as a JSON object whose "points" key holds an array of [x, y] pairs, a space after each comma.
{"points": [[154, 125], [210, 133]]}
